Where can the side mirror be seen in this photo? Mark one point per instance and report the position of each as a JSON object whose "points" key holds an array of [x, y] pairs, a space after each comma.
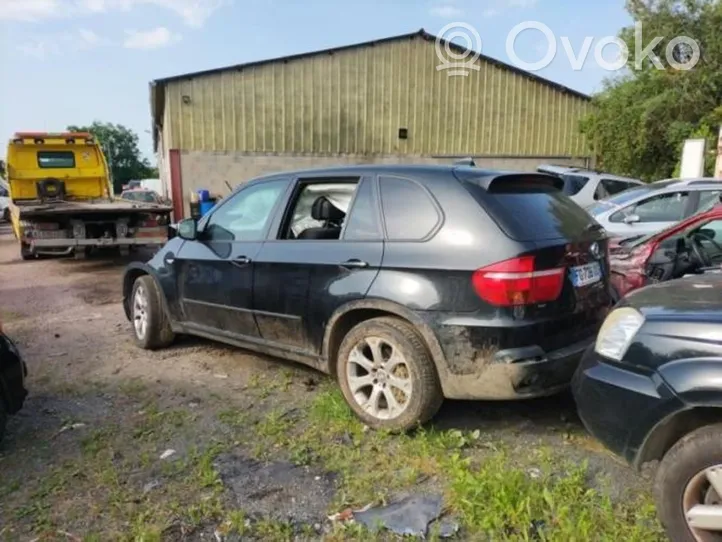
{"points": [[631, 219], [188, 229]]}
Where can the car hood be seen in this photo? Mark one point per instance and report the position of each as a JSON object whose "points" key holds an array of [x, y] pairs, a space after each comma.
{"points": [[697, 298]]}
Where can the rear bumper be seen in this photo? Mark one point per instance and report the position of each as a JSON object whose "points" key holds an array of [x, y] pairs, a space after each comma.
{"points": [[65, 243], [519, 373]]}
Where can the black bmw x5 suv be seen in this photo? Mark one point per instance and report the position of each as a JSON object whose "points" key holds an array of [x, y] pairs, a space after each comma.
{"points": [[408, 284]]}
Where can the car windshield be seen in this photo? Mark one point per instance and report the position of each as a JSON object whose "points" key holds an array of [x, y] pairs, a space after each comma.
{"points": [[574, 183]]}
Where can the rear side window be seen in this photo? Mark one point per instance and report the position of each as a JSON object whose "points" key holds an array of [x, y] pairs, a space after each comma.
{"points": [[56, 159], [363, 222], [527, 210], [409, 212], [573, 184]]}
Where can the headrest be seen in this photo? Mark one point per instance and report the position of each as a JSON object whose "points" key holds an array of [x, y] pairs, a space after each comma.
{"points": [[323, 209]]}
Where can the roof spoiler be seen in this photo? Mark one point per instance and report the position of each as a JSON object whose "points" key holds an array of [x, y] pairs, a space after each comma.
{"points": [[466, 162]]}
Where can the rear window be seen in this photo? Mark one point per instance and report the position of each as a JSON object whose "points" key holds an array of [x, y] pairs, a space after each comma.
{"points": [[56, 159], [527, 210]]}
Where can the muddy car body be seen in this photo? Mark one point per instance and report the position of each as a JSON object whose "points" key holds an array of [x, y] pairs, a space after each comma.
{"points": [[486, 285]]}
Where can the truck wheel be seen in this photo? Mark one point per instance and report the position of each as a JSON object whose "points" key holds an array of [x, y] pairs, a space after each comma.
{"points": [[688, 486], [6, 214], [26, 253], [124, 251], [151, 328], [80, 253], [387, 375]]}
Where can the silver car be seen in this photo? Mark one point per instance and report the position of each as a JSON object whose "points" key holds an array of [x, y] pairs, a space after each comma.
{"points": [[585, 187], [653, 207]]}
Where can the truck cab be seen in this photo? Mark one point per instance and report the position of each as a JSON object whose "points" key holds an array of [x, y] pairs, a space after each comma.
{"points": [[61, 198]]}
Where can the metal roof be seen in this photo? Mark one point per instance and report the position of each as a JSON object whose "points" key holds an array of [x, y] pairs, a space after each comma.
{"points": [[423, 34], [158, 101]]}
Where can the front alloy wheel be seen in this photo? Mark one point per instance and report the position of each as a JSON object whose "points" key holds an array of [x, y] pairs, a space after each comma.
{"points": [[140, 312], [702, 504]]}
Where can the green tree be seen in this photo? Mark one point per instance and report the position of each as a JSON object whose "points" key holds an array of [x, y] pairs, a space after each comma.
{"points": [[642, 118], [120, 146]]}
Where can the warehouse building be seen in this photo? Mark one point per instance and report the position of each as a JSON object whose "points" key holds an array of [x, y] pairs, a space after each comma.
{"points": [[382, 101]]}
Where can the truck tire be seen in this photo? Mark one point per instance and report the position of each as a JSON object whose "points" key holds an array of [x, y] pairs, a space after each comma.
{"points": [[124, 251], [151, 327], [387, 375], [26, 252], [6, 214]]}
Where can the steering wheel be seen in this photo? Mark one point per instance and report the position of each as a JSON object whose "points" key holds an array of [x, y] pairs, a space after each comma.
{"points": [[699, 250]]}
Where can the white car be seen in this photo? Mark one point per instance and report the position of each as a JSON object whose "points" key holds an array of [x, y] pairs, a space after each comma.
{"points": [[4, 201], [586, 187], [654, 207]]}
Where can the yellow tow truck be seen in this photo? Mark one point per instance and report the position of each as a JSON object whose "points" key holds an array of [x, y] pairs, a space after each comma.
{"points": [[62, 203]]}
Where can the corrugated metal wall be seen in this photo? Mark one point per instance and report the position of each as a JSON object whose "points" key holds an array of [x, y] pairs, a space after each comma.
{"points": [[354, 101]]}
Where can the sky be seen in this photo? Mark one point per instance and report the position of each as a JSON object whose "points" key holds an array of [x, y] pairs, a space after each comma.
{"points": [[74, 61]]}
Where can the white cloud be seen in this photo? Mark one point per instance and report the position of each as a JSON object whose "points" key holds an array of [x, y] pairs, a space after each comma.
{"points": [[446, 11], [489, 13], [89, 37], [192, 12], [151, 39], [521, 3], [29, 10]]}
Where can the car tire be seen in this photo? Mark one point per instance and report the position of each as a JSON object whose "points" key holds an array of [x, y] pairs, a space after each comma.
{"points": [[685, 461], [412, 382], [151, 327], [3, 419]]}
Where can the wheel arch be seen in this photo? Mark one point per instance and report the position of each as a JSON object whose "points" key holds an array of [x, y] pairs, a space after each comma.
{"points": [[674, 427], [353, 313]]}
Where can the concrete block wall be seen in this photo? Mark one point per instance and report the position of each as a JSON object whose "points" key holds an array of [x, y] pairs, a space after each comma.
{"points": [[211, 170]]}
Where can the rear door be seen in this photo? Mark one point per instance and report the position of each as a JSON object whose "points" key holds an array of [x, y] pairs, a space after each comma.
{"points": [[299, 282]]}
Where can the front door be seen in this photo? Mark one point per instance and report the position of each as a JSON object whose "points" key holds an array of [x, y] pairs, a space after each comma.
{"points": [[319, 260], [652, 214], [216, 271]]}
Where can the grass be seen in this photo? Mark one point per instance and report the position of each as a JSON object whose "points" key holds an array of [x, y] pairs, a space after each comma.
{"points": [[494, 490]]}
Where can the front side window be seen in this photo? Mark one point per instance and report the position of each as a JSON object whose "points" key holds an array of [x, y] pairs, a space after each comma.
{"points": [[245, 216], [708, 199], [409, 212], [662, 208], [56, 159]]}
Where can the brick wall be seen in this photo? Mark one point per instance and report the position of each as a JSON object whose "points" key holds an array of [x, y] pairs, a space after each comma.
{"points": [[210, 170]]}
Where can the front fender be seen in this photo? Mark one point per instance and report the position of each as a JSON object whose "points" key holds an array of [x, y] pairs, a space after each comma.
{"points": [[696, 381]]}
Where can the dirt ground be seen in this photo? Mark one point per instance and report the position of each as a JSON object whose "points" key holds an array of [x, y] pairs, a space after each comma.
{"points": [[207, 442]]}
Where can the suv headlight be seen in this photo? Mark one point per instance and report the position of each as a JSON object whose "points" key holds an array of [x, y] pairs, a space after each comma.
{"points": [[618, 332]]}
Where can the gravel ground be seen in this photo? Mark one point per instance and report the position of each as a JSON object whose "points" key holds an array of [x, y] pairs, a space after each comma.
{"points": [[82, 460]]}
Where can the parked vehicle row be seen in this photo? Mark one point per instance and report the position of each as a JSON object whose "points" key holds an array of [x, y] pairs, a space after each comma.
{"points": [[585, 187]]}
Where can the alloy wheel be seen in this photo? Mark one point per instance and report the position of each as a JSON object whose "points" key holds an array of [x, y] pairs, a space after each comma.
{"points": [[140, 312], [703, 505], [379, 378]]}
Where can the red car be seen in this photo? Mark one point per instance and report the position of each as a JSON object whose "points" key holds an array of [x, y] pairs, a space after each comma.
{"points": [[689, 247]]}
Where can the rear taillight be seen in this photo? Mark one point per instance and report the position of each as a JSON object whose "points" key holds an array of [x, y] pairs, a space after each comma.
{"points": [[517, 282]]}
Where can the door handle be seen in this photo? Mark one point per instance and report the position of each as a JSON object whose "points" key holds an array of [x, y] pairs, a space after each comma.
{"points": [[242, 260], [354, 263]]}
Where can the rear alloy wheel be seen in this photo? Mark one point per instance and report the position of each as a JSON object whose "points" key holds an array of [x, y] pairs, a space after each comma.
{"points": [[689, 486], [151, 327], [387, 375]]}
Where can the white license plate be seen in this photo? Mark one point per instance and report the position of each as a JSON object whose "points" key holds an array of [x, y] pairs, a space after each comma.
{"points": [[584, 275]]}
